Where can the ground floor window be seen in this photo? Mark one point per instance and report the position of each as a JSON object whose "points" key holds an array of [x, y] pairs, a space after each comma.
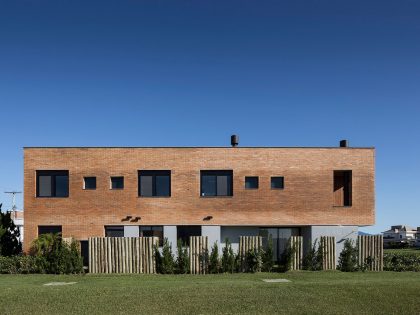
{"points": [[280, 237], [49, 229], [185, 231], [84, 251], [149, 231], [114, 231]]}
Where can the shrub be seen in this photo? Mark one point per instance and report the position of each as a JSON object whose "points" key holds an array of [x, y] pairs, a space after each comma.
{"points": [[402, 261], [214, 266], [229, 260], [9, 236], [168, 262], [253, 260], [267, 256], [313, 259], [348, 257], [288, 257], [22, 264], [183, 259]]}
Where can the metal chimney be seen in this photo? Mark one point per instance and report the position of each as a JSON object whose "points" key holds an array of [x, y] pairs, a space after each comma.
{"points": [[344, 143], [234, 140]]}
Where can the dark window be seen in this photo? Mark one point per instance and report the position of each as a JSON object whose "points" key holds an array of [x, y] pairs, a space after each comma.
{"points": [[216, 183], [251, 182], [148, 231], [114, 231], [117, 182], [342, 188], [155, 183], [277, 182], [52, 183], [184, 233], [49, 229], [84, 251], [280, 239], [89, 183]]}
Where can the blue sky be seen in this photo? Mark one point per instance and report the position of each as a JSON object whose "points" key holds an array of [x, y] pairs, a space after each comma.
{"points": [[190, 73]]}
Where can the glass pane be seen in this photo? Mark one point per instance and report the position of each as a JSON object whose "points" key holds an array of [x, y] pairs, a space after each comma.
{"points": [[184, 233], [117, 182], [114, 231], [61, 186], [251, 182], [46, 229], [222, 186], [277, 182], [146, 186], [162, 186], [44, 186], [90, 182], [208, 185]]}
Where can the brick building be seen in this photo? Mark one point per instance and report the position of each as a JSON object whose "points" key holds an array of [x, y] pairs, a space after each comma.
{"points": [[221, 192]]}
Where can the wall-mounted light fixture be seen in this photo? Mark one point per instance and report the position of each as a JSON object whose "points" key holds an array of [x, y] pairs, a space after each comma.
{"points": [[127, 218], [208, 218], [136, 219]]}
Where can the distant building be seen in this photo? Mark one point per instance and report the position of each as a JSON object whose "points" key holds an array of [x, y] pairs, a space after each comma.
{"points": [[17, 217], [399, 235], [418, 237]]}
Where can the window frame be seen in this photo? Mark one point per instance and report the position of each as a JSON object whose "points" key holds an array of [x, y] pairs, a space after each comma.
{"points": [[271, 183], [216, 173], [154, 174], [53, 174], [110, 183], [252, 188], [84, 183]]}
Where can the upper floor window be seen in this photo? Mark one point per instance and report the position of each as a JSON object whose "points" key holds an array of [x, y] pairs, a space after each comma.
{"points": [[342, 188], [52, 184], [155, 183], [117, 182], [216, 183], [277, 182], [251, 182], [49, 229], [89, 183]]}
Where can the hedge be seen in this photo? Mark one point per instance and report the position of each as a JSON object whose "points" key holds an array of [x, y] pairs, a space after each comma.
{"points": [[402, 261]]}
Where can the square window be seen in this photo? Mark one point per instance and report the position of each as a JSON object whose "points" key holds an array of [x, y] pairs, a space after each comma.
{"points": [[184, 232], [251, 182], [154, 183], [53, 184], [277, 182], [149, 231], [89, 183], [216, 183], [117, 182]]}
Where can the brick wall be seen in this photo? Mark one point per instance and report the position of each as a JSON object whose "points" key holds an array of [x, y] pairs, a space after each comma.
{"points": [[307, 198]]}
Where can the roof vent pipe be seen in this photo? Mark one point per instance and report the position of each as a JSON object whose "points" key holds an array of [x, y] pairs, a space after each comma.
{"points": [[234, 140], [344, 143]]}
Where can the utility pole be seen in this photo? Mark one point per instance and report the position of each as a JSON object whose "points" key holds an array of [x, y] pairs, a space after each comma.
{"points": [[13, 193]]}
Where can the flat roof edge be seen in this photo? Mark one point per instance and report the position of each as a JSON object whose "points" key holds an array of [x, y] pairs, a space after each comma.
{"points": [[235, 148]]}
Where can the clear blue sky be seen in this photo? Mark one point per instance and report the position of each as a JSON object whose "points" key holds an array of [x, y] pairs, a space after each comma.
{"points": [[190, 73]]}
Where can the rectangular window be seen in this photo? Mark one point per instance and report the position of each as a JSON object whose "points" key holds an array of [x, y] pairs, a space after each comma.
{"points": [[89, 183], [277, 182], [342, 188], [117, 182], [49, 229], [52, 184], [149, 231], [155, 183], [184, 232], [114, 231], [216, 183], [251, 182]]}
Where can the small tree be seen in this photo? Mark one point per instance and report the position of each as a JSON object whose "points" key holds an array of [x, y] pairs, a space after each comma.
{"points": [[253, 260], [214, 259], [168, 263], [228, 258], [288, 256], [9, 236], [183, 259], [267, 257], [313, 259], [348, 257]]}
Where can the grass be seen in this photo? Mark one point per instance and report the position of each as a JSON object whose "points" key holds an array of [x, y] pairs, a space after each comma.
{"points": [[308, 292]]}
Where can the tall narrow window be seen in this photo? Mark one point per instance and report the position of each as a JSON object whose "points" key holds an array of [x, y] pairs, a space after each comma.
{"points": [[117, 182], [155, 183], [342, 188], [216, 183], [52, 184]]}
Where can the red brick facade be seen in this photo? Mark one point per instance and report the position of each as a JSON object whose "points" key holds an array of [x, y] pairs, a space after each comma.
{"points": [[307, 198]]}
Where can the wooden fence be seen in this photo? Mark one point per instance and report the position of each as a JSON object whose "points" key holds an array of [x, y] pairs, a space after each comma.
{"points": [[371, 251], [327, 244], [247, 243], [296, 244], [199, 252], [122, 254]]}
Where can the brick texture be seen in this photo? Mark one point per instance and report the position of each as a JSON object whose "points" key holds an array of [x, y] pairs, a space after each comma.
{"points": [[307, 198]]}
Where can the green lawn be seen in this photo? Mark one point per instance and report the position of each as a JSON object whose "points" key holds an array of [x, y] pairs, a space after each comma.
{"points": [[307, 293]]}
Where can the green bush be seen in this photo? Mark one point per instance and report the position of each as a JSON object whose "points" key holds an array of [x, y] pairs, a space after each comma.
{"points": [[214, 266], [402, 261], [348, 257], [313, 259], [267, 256], [10, 244], [183, 259], [253, 260], [229, 259], [22, 264]]}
